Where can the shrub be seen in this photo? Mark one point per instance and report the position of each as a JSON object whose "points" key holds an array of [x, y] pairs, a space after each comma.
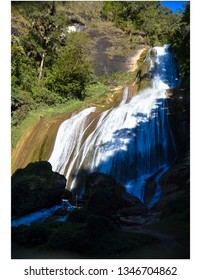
{"points": [[42, 95]]}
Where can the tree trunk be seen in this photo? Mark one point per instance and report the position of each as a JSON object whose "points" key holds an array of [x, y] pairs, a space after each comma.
{"points": [[41, 67]]}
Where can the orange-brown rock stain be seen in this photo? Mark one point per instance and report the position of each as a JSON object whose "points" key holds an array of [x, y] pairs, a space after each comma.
{"points": [[37, 143]]}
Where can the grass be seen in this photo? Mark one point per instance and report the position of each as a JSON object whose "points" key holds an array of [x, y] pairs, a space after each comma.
{"points": [[42, 111]]}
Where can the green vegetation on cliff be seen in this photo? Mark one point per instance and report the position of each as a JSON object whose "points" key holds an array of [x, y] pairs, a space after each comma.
{"points": [[51, 67], [148, 18]]}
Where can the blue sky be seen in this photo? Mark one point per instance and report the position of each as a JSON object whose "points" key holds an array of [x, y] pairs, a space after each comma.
{"points": [[174, 5]]}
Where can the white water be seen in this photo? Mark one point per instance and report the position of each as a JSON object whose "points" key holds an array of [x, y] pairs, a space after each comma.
{"points": [[129, 142], [38, 216], [164, 70], [70, 132]]}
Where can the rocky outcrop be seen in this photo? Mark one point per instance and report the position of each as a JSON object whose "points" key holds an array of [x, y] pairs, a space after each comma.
{"points": [[35, 187], [105, 196]]}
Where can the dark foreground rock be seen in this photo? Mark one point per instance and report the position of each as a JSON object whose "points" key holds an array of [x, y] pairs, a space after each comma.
{"points": [[35, 187], [105, 196]]}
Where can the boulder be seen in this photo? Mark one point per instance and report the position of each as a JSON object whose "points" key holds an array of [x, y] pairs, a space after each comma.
{"points": [[36, 187], [103, 202], [95, 181], [105, 196]]}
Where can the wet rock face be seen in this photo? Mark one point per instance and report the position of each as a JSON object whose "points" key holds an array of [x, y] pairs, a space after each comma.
{"points": [[35, 187]]}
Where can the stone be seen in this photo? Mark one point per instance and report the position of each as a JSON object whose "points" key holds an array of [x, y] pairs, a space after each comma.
{"points": [[36, 187], [105, 196]]}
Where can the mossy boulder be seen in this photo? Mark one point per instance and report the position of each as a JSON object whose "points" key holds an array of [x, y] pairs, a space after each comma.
{"points": [[35, 187]]}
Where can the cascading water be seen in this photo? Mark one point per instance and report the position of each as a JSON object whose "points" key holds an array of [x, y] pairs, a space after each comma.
{"points": [[129, 142], [42, 215]]}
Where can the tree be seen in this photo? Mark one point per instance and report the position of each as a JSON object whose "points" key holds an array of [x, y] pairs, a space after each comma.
{"points": [[155, 20], [35, 44], [72, 69], [180, 40], [45, 27]]}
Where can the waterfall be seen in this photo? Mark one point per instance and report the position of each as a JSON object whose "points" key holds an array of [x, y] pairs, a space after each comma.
{"points": [[69, 139], [129, 142]]}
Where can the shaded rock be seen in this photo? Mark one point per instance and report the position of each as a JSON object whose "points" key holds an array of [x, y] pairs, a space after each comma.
{"points": [[138, 209], [177, 177], [35, 187], [103, 194], [102, 202], [150, 189], [67, 194], [96, 181], [179, 117], [107, 197], [134, 220], [127, 200]]}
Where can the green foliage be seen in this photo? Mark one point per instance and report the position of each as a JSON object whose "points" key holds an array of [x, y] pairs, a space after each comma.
{"points": [[38, 56], [22, 72], [72, 70], [42, 95], [21, 103], [156, 21], [66, 72], [96, 90], [180, 38], [117, 78]]}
